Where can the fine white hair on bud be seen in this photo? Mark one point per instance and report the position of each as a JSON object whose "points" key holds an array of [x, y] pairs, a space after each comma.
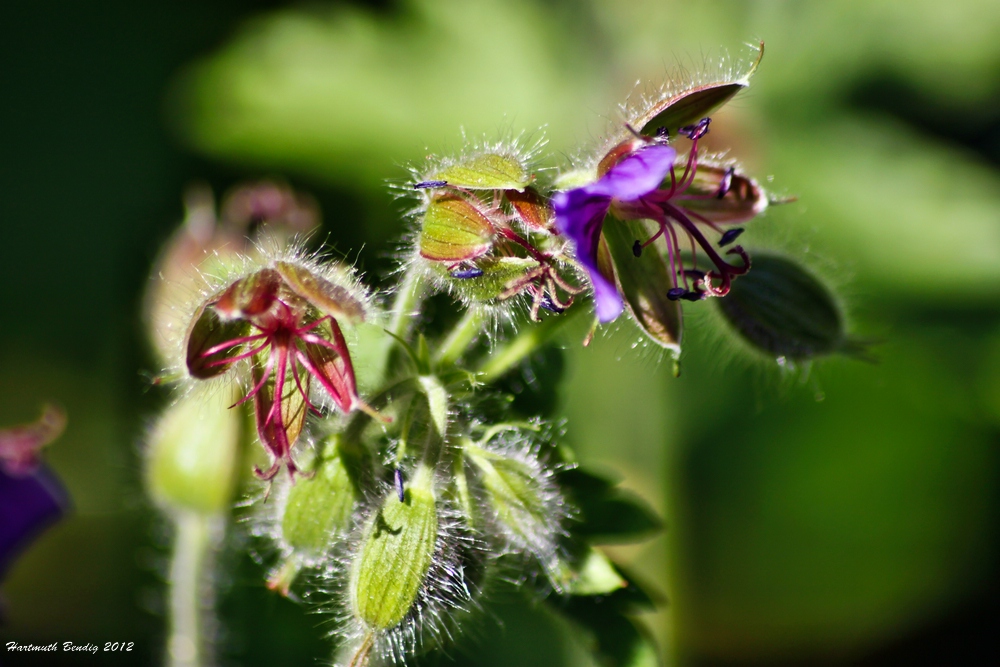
{"points": [[412, 570], [525, 510]]}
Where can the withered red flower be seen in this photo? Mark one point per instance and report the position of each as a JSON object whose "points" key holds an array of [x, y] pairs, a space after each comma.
{"points": [[283, 321]]}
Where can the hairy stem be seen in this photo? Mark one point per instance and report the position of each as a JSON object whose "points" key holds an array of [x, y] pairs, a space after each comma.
{"points": [[190, 620], [522, 345], [460, 338], [407, 302]]}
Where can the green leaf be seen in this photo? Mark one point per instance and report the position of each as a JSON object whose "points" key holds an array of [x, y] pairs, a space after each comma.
{"points": [[607, 514], [485, 171], [595, 575]]}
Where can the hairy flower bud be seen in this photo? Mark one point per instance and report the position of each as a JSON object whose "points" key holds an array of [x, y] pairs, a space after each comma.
{"points": [[454, 230], [785, 311], [489, 170], [193, 452], [397, 546]]}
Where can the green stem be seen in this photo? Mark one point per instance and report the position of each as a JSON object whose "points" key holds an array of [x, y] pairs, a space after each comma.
{"points": [[526, 342], [461, 337], [190, 621], [407, 302]]}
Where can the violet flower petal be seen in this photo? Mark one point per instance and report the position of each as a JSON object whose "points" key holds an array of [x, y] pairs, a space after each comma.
{"points": [[28, 505], [580, 214]]}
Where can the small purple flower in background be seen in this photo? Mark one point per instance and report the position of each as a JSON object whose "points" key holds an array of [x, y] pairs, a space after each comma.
{"points": [[633, 187], [31, 498]]}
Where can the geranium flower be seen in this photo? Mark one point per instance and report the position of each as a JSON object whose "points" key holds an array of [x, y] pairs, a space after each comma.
{"points": [[31, 498], [634, 186]]}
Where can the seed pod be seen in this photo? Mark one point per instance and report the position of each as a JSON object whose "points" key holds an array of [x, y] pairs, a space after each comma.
{"points": [[645, 282], [485, 171], [397, 546], [454, 230], [785, 311], [194, 450], [319, 508]]}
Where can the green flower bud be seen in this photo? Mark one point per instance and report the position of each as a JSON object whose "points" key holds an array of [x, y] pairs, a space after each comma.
{"points": [[485, 171], [645, 282], [318, 508], [194, 451], [397, 547], [785, 311], [524, 502]]}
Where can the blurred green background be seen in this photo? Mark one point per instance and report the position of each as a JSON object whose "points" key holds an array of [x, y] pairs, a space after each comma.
{"points": [[844, 515]]}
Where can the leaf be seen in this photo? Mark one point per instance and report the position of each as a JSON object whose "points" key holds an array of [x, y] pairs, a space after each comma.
{"points": [[607, 514]]}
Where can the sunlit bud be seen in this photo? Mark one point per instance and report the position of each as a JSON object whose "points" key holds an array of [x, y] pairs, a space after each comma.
{"points": [[454, 230], [485, 171], [786, 312], [397, 547], [523, 500], [317, 509], [686, 105], [720, 194], [193, 451], [645, 284]]}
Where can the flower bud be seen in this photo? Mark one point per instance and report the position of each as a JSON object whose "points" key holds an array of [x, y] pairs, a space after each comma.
{"points": [[722, 195], [524, 502], [485, 171], [319, 508], [454, 230], [397, 547], [193, 452], [645, 283], [783, 310]]}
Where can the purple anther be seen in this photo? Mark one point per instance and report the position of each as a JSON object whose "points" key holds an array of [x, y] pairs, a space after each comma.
{"points": [[397, 479], [696, 131], [727, 182], [423, 185], [466, 273], [637, 248], [548, 305], [729, 236], [676, 293]]}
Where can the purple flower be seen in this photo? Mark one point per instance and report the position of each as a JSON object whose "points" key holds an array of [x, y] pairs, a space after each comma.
{"points": [[580, 213], [31, 498]]}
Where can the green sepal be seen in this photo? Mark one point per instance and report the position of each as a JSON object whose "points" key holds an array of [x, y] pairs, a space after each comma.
{"points": [[607, 515], [743, 201], [319, 508], [454, 230], [207, 331], [485, 171], [498, 274], [615, 639], [688, 106], [397, 547], [783, 310], [590, 573], [194, 452], [644, 281], [325, 296]]}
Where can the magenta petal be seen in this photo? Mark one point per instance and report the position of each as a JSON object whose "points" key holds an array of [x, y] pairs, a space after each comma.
{"points": [[636, 175]]}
